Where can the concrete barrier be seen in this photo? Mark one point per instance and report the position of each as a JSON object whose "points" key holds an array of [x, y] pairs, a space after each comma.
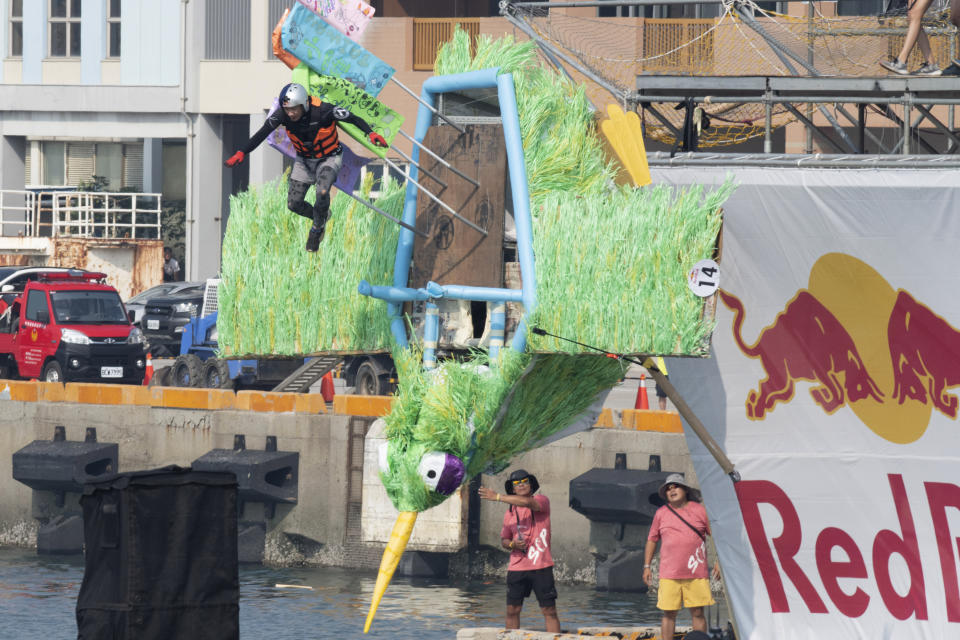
{"points": [[217, 399], [376, 406], [157, 426]]}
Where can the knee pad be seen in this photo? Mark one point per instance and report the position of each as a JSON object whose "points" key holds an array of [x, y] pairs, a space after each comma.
{"points": [[295, 194]]}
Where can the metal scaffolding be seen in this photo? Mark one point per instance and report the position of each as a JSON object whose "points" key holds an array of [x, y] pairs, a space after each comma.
{"points": [[911, 93], [907, 106]]}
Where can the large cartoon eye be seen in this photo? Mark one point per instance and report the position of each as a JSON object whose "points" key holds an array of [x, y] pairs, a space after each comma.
{"points": [[441, 472], [382, 460]]}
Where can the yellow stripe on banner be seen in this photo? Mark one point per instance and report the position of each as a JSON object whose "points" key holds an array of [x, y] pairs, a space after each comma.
{"points": [[625, 134]]}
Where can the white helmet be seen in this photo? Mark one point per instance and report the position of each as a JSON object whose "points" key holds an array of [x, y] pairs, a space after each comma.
{"points": [[294, 94]]}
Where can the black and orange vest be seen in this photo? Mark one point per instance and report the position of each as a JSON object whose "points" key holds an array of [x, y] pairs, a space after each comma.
{"points": [[323, 143]]}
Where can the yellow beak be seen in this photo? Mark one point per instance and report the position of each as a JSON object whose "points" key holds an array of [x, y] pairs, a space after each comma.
{"points": [[391, 557]]}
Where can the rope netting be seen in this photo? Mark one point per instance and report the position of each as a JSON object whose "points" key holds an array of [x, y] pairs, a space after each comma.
{"points": [[744, 40]]}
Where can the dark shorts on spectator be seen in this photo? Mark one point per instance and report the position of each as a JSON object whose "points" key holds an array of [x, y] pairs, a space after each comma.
{"points": [[539, 581]]}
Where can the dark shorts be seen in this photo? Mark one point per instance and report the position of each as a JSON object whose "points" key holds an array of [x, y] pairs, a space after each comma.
{"points": [[660, 392], [539, 581]]}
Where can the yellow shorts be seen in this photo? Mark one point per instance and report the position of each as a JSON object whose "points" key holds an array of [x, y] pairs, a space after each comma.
{"points": [[680, 594]]}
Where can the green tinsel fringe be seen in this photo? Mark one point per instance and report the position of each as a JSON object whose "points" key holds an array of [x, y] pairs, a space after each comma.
{"points": [[278, 299], [456, 409]]}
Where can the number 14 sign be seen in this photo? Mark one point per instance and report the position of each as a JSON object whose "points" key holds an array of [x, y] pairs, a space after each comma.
{"points": [[704, 278]]}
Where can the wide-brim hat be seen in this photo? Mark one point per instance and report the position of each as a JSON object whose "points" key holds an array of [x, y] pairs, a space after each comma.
{"points": [[677, 478], [520, 474]]}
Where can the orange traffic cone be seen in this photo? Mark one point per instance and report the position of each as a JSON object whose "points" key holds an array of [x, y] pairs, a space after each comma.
{"points": [[326, 386], [148, 374], [642, 402]]}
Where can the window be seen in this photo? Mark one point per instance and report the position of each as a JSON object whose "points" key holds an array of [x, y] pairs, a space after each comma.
{"points": [[625, 11], [227, 30], [65, 28], [113, 29], [869, 7], [54, 163], [274, 12], [109, 164], [37, 309], [664, 11], [87, 307], [16, 28], [376, 169]]}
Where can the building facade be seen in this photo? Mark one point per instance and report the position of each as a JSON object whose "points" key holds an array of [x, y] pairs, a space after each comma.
{"points": [[153, 96]]}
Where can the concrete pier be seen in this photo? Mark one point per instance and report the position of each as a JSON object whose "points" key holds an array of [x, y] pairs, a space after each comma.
{"points": [[160, 426]]}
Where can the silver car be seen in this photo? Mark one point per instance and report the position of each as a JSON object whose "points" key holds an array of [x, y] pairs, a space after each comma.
{"points": [[139, 301]]}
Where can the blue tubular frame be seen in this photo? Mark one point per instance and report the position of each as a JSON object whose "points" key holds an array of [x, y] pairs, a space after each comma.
{"points": [[400, 292]]}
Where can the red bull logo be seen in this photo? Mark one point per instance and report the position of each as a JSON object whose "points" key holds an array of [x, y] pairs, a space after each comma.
{"points": [[862, 344]]}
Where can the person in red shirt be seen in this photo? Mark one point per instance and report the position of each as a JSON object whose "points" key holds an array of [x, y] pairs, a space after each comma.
{"points": [[526, 533], [681, 527], [312, 127]]}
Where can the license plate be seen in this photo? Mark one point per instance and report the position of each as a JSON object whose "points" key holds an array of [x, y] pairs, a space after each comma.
{"points": [[111, 372], [153, 325]]}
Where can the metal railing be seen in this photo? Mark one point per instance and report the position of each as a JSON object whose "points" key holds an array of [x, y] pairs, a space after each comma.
{"points": [[430, 33], [18, 210], [81, 214]]}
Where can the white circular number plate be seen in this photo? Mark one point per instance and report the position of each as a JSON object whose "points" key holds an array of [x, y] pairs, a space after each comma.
{"points": [[704, 278]]}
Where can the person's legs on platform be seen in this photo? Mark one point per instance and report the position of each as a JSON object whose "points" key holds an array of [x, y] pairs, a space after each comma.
{"points": [[667, 624], [513, 616]]}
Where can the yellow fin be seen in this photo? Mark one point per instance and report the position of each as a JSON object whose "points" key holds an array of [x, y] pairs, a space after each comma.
{"points": [[625, 134]]}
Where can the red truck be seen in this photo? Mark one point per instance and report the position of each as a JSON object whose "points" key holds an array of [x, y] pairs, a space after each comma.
{"points": [[69, 326]]}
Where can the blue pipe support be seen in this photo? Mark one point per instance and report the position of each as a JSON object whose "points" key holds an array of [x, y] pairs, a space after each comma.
{"points": [[482, 79], [393, 295], [431, 334], [498, 326], [521, 202], [480, 294]]}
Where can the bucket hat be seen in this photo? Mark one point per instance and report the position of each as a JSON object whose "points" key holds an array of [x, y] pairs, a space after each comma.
{"points": [[520, 474], [677, 478]]}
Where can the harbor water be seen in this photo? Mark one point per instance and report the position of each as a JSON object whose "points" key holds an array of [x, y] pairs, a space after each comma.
{"points": [[38, 596]]}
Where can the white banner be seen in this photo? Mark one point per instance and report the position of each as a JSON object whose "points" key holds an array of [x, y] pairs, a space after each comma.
{"points": [[831, 387]]}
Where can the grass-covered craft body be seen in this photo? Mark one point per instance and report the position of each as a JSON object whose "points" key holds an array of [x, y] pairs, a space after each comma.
{"points": [[611, 262], [276, 299]]}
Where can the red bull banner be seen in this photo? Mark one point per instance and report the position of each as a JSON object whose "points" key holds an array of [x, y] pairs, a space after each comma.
{"points": [[833, 386]]}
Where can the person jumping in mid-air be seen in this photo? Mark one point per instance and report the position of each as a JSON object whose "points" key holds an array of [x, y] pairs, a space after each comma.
{"points": [[312, 127]]}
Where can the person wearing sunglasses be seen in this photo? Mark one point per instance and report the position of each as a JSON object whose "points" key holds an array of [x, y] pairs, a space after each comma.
{"points": [[681, 527], [526, 534]]}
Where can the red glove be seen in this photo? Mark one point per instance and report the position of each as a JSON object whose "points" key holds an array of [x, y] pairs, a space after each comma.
{"points": [[377, 139], [235, 159]]}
